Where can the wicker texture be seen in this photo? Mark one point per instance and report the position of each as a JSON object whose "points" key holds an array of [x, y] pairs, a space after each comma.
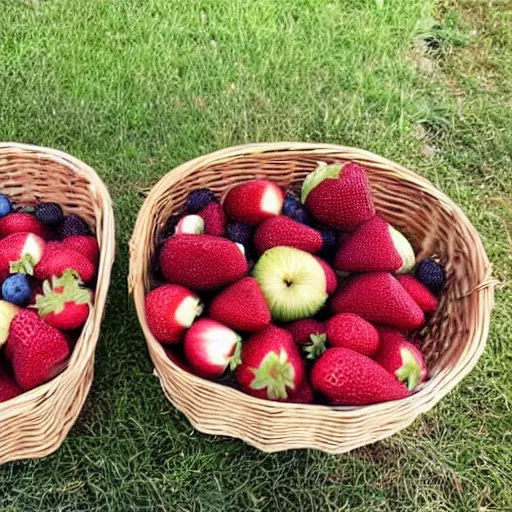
{"points": [[35, 423], [453, 340]]}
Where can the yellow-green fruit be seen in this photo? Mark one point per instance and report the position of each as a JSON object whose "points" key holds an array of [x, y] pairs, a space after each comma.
{"points": [[7, 312]]}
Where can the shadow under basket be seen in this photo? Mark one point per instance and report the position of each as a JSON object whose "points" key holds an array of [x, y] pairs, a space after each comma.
{"points": [[36, 423], [453, 341]]}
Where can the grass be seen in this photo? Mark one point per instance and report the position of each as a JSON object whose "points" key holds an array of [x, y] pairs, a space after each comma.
{"points": [[135, 88]]}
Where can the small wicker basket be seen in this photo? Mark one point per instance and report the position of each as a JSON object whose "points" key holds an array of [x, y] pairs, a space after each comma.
{"points": [[35, 423], [453, 342]]}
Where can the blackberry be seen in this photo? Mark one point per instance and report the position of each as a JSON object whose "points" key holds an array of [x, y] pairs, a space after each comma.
{"points": [[431, 274], [73, 225], [239, 232], [49, 213], [330, 239], [198, 199]]}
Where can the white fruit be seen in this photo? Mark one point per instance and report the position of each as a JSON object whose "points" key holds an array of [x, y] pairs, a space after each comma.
{"points": [[404, 250], [191, 225], [272, 200], [189, 308]]}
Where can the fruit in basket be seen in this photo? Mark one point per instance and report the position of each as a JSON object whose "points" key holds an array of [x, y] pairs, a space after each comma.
{"points": [[16, 289], [85, 245], [375, 246], [198, 199], [346, 377], [20, 252], [271, 365], [170, 309], [73, 225], [202, 262], [331, 278], [241, 306], [38, 351], [419, 292], [49, 213], [282, 231], [8, 387], [378, 297], [210, 347], [214, 219], [64, 303], [7, 312], [339, 196], [190, 225], [21, 223], [310, 334], [431, 274], [57, 258], [5, 205], [400, 357], [304, 395], [351, 331], [292, 281], [254, 201], [239, 232], [293, 208]]}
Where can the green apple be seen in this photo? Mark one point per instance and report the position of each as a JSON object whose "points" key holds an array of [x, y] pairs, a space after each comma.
{"points": [[292, 282]]}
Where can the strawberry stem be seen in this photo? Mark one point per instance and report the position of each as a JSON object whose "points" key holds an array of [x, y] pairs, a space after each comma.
{"points": [[274, 374], [317, 347], [236, 359], [410, 371]]}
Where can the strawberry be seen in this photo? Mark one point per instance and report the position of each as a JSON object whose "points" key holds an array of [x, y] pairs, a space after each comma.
{"points": [[7, 312], [419, 292], [241, 306], [170, 309], [310, 334], [346, 377], [271, 365], [8, 387], [85, 245], [19, 253], [331, 279], [378, 297], [202, 262], [211, 347], [65, 303], [214, 219], [254, 201], [283, 231], [21, 223], [375, 246], [339, 196], [38, 351], [351, 331], [57, 258], [304, 395], [190, 225], [178, 360], [400, 357]]}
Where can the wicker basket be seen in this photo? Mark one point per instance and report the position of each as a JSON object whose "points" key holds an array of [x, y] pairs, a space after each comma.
{"points": [[35, 423], [436, 226]]}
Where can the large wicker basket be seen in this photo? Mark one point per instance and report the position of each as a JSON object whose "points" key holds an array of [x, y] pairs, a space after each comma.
{"points": [[436, 226], [35, 423]]}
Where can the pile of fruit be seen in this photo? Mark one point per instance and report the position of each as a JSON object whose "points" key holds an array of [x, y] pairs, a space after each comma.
{"points": [[46, 258], [314, 299]]}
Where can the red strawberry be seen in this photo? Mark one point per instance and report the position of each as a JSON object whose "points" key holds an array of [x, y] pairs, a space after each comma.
{"points": [[21, 223], [86, 245], [271, 365], [339, 196], [170, 309], [178, 361], [38, 351], [378, 297], [400, 357], [65, 303], [311, 334], [211, 347], [254, 201], [214, 219], [8, 387], [331, 279], [419, 292], [351, 331], [202, 262], [346, 377], [20, 252], [57, 258], [283, 231], [304, 395], [241, 306], [375, 246]]}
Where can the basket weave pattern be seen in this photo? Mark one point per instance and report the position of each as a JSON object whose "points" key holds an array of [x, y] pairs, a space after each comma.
{"points": [[35, 423], [453, 340]]}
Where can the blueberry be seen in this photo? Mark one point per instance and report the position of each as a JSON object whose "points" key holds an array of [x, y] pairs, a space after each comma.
{"points": [[290, 204], [330, 239], [49, 213], [16, 289], [5, 205], [431, 274]]}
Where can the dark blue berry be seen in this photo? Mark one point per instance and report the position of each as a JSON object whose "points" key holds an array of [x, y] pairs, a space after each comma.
{"points": [[290, 204], [431, 274], [73, 225], [16, 289], [330, 239], [49, 213], [239, 232], [5, 205], [198, 199]]}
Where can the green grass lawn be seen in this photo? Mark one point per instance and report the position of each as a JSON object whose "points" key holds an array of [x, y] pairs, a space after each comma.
{"points": [[134, 88]]}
